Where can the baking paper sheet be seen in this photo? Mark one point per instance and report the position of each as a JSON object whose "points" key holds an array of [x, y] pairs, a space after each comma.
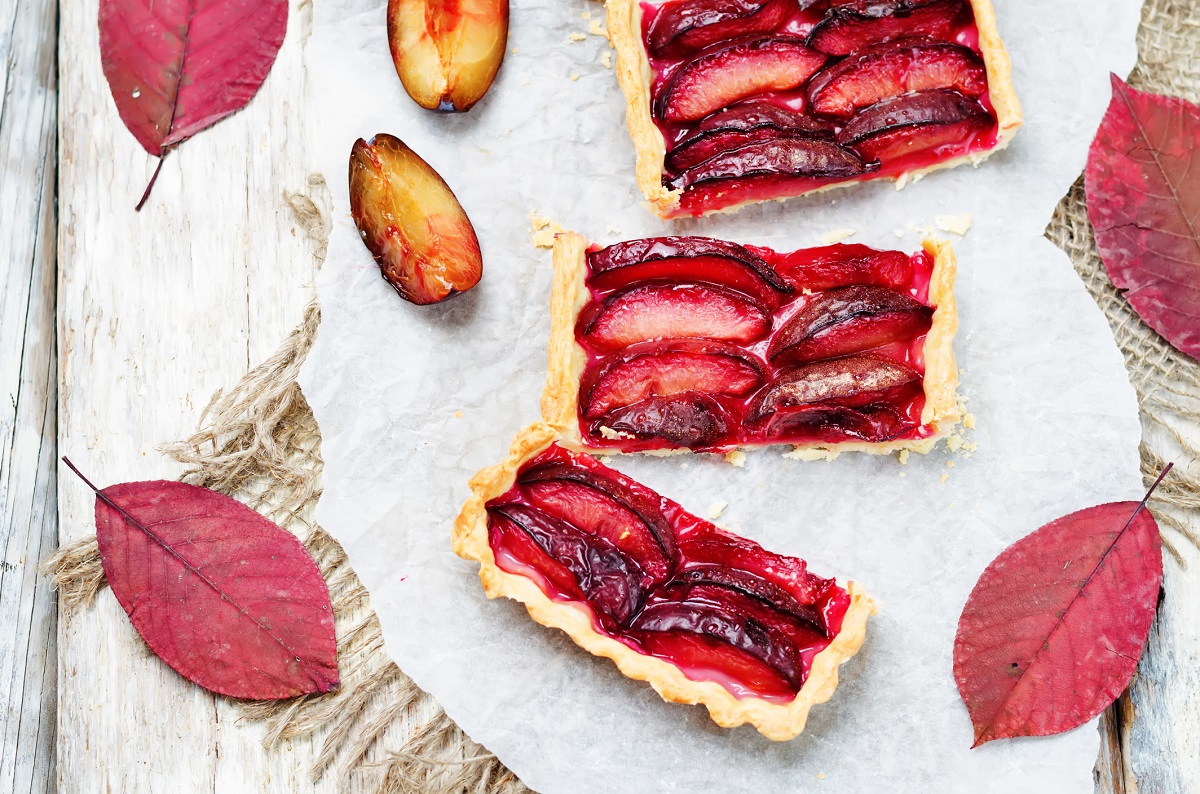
{"points": [[413, 400]]}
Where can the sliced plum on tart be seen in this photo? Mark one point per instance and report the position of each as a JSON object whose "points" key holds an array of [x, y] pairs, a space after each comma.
{"points": [[737, 101], [701, 614], [667, 343]]}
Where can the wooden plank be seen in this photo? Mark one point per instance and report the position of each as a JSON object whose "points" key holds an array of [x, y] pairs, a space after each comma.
{"points": [[28, 529], [156, 311]]}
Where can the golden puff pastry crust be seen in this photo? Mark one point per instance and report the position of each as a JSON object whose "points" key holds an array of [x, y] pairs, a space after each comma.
{"points": [[634, 76], [776, 721], [569, 294]]}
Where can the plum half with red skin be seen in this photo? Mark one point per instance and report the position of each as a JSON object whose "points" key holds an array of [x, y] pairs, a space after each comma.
{"points": [[652, 311], [608, 579], [691, 25], [666, 370], [850, 27], [847, 320], [894, 68], [914, 123], [851, 382], [742, 69], [792, 157], [690, 420], [842, 264], [690, 259]]}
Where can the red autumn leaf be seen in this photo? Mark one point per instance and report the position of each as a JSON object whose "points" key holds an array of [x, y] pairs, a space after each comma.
{"points": [[1143, 200], [176, 67], [1053, 630], [229, 600]]}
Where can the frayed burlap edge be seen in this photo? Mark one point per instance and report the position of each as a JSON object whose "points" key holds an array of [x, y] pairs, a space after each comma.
{"points": [[259, 443]]}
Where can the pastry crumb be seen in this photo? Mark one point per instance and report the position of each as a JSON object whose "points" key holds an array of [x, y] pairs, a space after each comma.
{"points": [[683, 464], [577, 36], [586, 15], [716, 509], [949, 464], [574, 77], [814, 453], [606, 59], [596, 29], [837, 235], [954, 442], [737, 458], [544, 230], [902, 456], [820, 776], [458, 414], [516, 50], [969, 421], [613, 435], [903, 474], [955, 224], [944, 478], [898, 232]]}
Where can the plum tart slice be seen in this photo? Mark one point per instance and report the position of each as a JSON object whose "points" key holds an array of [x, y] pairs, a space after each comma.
{"points": [[736, 101], [702, 615], [672, 343]]}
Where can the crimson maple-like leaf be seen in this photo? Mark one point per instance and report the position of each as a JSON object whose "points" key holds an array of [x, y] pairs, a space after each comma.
{"points": [[176, 67], [229, 600], [1143, 199], [1053, 630]]}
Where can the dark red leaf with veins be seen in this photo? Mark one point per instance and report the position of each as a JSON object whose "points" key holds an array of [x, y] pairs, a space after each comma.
{"points": [[176, 67], [225, 597], [1053, 630], [1143, 200]]}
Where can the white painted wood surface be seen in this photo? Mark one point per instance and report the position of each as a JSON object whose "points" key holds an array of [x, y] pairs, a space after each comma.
{"points": [[28, 530]]}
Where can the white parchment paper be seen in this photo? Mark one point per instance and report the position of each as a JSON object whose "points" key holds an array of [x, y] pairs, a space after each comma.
{"points": [[412, 400]]}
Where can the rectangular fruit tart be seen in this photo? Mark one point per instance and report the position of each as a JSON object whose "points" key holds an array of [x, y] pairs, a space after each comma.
{"points": [[703, 615], [736, 101], [675, 343]]}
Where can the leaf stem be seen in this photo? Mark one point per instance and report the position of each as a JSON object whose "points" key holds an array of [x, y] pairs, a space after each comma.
{"points": [[142, 202], [1161, 475]]}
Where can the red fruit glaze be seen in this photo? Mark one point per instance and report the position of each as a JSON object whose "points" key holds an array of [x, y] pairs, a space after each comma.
{"points": [[719, 607], [839, 357], [736, 105]]}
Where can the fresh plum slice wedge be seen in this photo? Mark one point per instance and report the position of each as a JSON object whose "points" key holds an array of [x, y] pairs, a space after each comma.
{"points": [[852, 382], [754, 114], [610, 582], [792, 157], [756, 587], [690, 25], [729, 625], [597, 513], [831, 424], [704, 659], [712, 81], [687, 420], [704, 147], [895, 68], [665, 311], [789, 573], [842, 264], [665, 371], [645, 508], [447, 52], [648, 249], [914, 123], [850, 27], [848, 320], [411, 222]]}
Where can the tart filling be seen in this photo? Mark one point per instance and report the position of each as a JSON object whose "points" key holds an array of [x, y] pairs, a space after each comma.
{"points": [[694, 343], [701, 614], [736, 101]]}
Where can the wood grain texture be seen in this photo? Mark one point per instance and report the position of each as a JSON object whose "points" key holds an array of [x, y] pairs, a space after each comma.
{"points": [[156, 311], [28, 528]]}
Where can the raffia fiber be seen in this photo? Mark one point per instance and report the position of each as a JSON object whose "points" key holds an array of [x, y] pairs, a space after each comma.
{"points": [[259, 443]]}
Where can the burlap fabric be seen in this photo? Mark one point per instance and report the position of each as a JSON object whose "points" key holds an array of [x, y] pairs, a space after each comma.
{"points": [[259, 443]]}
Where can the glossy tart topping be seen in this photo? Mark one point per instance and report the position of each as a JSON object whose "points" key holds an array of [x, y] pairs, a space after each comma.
{"points": [[663, 582], [705, 344], [759, 100]]}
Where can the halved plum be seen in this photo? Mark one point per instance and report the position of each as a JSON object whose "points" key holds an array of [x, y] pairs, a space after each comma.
{"points": [[856, 25], [842, 264], [848, 320], [690, 420], [792, 157], [914, 123], [690, 25], [714, 80], [706, 659], [894, 68], [690, 259], [597, 513], [671, 311], [667, 370], [608, 579], [851, 382]]}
